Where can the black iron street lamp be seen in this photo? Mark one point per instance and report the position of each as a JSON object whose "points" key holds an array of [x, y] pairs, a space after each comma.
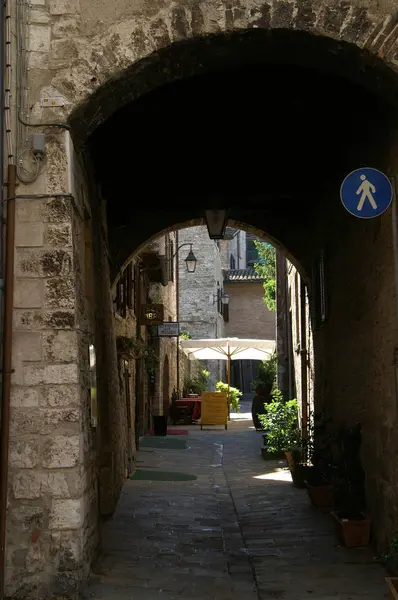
{"points": [[221, 295], [190, 260]]}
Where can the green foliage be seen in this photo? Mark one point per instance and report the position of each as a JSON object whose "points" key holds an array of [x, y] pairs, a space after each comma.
{"points": [[234, 395], [266, 268], [266, 374], [280, 423], [185, 335], [198, 383]]}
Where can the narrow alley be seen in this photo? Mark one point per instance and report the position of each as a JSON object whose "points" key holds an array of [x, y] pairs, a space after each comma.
{"points": [[239, 530]]}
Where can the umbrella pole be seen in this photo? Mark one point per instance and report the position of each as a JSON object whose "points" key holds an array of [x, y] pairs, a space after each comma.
{"points": [[229, 385]]}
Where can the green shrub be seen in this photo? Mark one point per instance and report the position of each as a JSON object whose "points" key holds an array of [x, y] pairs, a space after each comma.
{"points": [[280, 423], [198, 383], [234, 394], [266, 374]]}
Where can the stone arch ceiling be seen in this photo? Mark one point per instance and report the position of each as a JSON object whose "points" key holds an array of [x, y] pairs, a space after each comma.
{"points": [[259, 107], [108, 60]]}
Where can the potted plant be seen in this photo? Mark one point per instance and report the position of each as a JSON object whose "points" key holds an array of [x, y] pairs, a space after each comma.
{"points": [[234, 395], [263, 385], [283, 434], [319, 484], [351, 522], [196, 384]]}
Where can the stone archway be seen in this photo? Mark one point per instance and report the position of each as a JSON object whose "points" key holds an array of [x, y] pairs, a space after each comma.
{"points": [[109, 52], [100, 70]]}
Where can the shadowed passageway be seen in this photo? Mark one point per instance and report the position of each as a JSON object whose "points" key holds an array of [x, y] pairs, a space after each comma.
{"points": [[240, 530]]}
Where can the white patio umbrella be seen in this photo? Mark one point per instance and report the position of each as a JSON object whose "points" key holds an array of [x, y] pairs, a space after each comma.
{"points": [[228, 349]]}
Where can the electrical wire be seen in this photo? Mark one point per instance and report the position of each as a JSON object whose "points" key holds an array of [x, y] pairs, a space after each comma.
{"points": [[29, 165]]}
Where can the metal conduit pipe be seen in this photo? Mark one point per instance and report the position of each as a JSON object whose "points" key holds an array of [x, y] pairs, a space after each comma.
{"points": [[7, 366]]}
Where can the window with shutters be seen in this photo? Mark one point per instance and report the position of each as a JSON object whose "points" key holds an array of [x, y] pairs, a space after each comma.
{"points": [[124, 292]]}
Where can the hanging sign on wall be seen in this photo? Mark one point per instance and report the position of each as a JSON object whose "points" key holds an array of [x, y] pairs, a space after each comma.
{"points": [[152, 314]]}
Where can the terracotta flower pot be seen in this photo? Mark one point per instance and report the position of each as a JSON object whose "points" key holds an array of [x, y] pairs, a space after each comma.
{"points": [[392, 585], [320, 495], [352, 533]]}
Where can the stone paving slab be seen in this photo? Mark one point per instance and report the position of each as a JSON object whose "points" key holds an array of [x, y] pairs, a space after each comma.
{"points": [[240, 531]]}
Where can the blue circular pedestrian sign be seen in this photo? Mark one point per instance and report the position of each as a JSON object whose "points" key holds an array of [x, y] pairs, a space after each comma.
{"points": [[366, 193]]}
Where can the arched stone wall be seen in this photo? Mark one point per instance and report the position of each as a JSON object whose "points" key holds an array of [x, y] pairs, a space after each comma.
{"points": [[96, 57]]}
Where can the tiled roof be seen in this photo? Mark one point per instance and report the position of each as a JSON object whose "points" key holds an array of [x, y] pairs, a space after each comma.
{"points": [[229, 233], [237, 275]]}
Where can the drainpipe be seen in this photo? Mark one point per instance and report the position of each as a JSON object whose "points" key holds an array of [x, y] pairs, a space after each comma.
{"points": [[7, 365], [304, 361], [177, 268]]}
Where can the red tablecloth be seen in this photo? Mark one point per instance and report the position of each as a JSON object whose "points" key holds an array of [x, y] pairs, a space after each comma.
{"points": [[194, 406]]}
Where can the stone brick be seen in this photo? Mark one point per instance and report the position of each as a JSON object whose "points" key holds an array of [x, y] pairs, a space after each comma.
{"points": [[59, 396], [60, 346], [53, 418], [29, 234], [36, 557], [58, 235], [24, 397], [65, 26], [62, 7], [27, 484], [29, 211], [35, 319], [39, 38], [55, 484], [25, 421], [62, 51], [60, 293], [66, 514], [34, 375], [61, 451], [38, 15], [23, 454], [29, 516], [66, 549], [38, 60], [28, 345], [43, 263], [28, 293]]}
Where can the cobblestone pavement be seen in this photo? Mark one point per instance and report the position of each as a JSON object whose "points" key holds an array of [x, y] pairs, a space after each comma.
{"points": [[240, 531]]}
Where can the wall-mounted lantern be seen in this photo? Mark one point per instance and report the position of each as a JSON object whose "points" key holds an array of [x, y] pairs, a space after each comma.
{"points": [[190, 260]]}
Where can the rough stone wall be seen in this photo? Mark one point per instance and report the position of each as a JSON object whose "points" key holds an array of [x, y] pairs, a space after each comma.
{"points": [[355, 365], [248, 315], [199, 314], [294, 304], [51, 521]]}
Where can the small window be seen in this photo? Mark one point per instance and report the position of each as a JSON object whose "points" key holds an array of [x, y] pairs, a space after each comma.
{"points": [[232, 263]]}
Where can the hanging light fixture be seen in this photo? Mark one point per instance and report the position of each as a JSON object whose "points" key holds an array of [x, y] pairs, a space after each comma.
{"points": [[191, 261], [216, 221]]}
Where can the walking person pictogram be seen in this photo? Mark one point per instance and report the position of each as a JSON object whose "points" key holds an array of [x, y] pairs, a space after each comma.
{"points": [[367, 189]]}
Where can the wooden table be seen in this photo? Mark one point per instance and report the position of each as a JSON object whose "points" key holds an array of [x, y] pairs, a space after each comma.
{"points": [[194, 406]]}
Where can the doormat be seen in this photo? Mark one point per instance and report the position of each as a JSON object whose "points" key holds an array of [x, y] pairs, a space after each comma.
{"points": [[163, 442], [142, 475], [172, 432]]}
